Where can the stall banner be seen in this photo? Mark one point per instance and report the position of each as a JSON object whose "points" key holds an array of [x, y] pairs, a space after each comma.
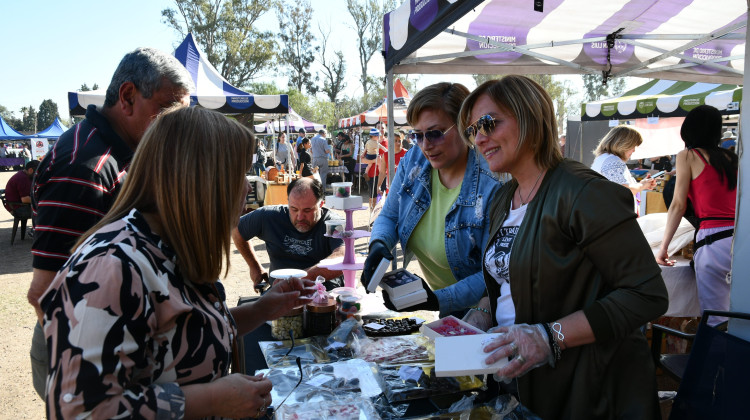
{"points": [[38, 148]]}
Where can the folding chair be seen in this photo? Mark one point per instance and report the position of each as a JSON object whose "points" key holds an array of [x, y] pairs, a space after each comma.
{"points": [[715, 379], [16, 217]]}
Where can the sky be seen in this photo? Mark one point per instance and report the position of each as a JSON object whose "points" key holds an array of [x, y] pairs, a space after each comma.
{"points": [[52, 47]]}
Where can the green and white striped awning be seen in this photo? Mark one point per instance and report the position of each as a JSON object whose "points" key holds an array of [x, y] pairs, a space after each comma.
{"points": [[664, 98]]}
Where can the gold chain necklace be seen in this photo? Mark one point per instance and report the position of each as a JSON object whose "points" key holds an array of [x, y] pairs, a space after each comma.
{"points": [[524, 202]]}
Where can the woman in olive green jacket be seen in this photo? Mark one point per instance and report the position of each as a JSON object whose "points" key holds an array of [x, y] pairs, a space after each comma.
{"points": [[582, 279]]}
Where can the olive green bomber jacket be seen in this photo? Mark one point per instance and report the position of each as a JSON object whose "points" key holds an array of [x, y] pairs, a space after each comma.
{"points": [[579, 247]]}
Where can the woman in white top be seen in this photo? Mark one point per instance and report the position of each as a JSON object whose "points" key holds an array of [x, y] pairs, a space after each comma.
{"points": [[611, 154], [284, 155]]}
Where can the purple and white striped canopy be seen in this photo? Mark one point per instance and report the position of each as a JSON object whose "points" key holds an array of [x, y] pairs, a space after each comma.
{"points": [[698, 40]]}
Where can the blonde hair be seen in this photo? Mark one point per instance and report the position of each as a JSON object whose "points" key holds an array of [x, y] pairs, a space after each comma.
{"points": [[533, 109], [445, 97], [618, 141], [189, 169]]}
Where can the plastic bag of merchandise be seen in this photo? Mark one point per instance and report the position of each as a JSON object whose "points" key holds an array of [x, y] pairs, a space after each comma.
{"points": [[394, 350], [409, 382], [347, 408], [338, 342]]}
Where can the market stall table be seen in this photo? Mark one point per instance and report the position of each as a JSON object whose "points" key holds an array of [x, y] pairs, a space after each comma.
{"points": [[259, 187], [11, 162], [372, 306]]}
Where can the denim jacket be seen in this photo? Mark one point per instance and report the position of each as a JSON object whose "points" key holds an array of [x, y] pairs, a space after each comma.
{"points": [[466, 225]]}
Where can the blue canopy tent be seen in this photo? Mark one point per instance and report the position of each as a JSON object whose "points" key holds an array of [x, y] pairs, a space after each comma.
{"points": [[212, 91], [8, 133], [54, 130]]}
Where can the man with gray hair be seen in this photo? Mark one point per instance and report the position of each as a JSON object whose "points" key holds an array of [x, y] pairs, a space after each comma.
{"points": [[320, 152], [78, 180]]}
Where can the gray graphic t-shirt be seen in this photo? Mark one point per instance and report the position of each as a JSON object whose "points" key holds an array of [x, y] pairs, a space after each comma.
{"points": [[286, 247]]}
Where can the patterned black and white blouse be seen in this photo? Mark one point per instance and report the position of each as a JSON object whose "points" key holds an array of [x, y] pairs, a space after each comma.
{"points": [[125, 330]]}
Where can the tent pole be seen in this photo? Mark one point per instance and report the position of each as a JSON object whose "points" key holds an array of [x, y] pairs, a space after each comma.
{"points": [[739, 296], [391, 137]]}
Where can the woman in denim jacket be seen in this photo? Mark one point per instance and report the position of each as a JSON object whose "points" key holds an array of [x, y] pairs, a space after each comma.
{"points": [[438, 206]]}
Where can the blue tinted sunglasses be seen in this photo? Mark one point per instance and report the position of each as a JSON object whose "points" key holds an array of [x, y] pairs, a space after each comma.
{"points": [[433, 136]]}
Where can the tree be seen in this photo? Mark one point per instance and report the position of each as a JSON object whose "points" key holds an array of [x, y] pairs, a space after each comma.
{"points": [[225, 29], [298, 52], [560, 92], [367, 22], [596, 90], [47, 114], [28, 119], [10, 119], [85, 87], [335, 70]]}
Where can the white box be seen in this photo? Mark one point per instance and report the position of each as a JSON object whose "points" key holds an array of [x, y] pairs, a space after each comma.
{"points": [[414, 298], [463, 355], [378, 275], [400, 283], [343, 203], [432, 330]]}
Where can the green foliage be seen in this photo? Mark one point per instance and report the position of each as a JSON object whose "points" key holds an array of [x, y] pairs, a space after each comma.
{"points": [[264, 88], [85, 87], [367, 16], [47, 114], [560, 91], [334, 70], [10, 119], [297, 50], [224, 29], [312, 108], [595, 89], [28, 121]]}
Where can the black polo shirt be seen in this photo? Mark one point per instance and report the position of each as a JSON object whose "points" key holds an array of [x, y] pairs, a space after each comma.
{"points": [[75, 185]]}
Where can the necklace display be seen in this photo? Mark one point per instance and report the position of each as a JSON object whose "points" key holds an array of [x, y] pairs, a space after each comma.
{"points": [[526, 201]]}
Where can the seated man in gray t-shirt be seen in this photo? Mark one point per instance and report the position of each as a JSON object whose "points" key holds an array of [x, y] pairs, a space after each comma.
{"points": [[294, 234]]}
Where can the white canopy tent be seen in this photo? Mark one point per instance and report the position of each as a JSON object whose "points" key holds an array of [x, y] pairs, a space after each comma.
{"points": [[701, 41]]}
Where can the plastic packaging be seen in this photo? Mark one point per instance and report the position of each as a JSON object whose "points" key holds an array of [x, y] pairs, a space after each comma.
{"points": [[394, 350], [339, 409], [334, 226], [408, 382], [293, 321], [342, 189]]}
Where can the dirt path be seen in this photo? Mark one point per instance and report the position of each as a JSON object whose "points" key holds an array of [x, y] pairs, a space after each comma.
{"points": [[17, 397]]}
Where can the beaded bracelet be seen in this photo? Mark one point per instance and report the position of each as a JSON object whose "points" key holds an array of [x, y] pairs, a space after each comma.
{"points": [[482, 310], [556, 350]]}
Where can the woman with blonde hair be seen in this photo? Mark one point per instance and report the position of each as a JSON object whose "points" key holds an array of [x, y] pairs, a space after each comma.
{"points": [[611, 154], [580, 273], [438, 205], [135, 320]]}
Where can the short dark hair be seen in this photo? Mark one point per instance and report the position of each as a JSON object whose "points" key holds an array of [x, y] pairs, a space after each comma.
{"points": [[301, 130], [321, 131], [300, 185], [32, 164]]}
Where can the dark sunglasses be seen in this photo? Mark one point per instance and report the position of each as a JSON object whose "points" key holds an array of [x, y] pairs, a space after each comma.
{"points": [[433, 136], [485, 125]]}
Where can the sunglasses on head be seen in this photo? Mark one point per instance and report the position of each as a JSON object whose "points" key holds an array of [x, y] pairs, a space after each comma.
{"points": [[433, 136], [485, 125]]}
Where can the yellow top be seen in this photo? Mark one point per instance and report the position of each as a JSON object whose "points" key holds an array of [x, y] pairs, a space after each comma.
{"points": [[427, 241]]}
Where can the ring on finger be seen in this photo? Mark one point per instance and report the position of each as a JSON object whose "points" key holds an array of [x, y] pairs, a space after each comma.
{"points": [[521, 359], [513, 347]]}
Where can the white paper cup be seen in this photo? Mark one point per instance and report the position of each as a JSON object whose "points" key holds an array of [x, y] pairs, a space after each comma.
{"points": [[342, 189]]}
